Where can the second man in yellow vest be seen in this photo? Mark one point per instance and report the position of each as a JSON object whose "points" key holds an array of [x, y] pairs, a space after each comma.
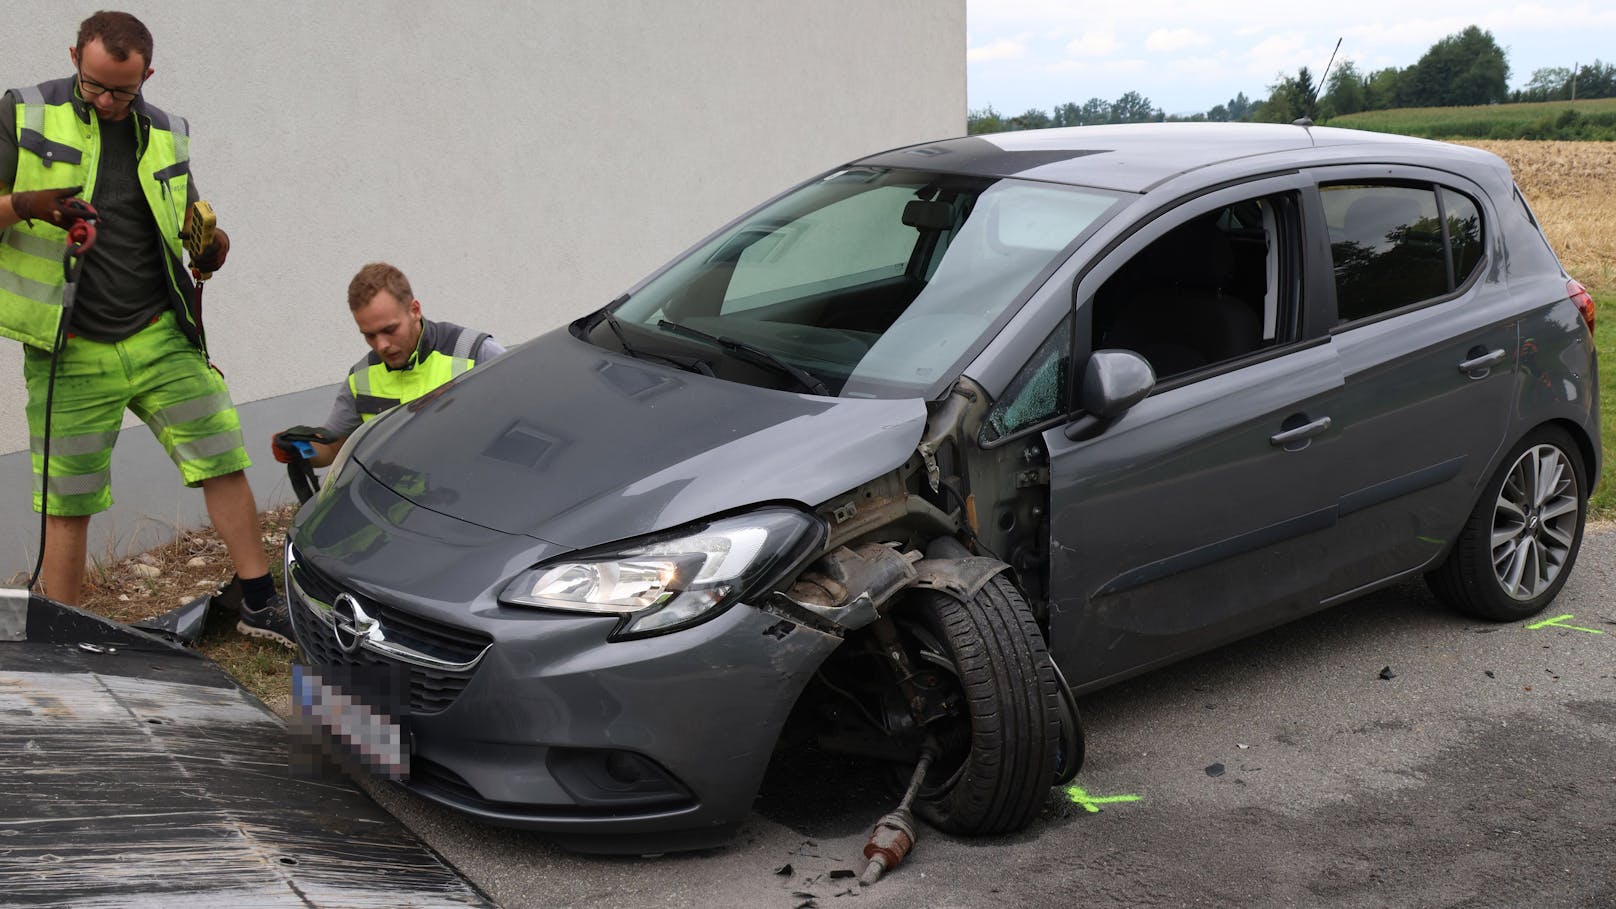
{"points": [[410, 355]]}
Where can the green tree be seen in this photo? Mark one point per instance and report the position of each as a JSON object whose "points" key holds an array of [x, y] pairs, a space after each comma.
{"points": [[986, 120], [1096, 110], [1343, 92], [1032, 118], [1381, 88], [1067, 114], [1133, 107], [1240, 107], [1464, 68], [1290, 98], [1550, 83]]}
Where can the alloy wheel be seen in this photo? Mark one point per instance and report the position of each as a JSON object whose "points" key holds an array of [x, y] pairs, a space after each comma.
{"points": [[1534, 522]]}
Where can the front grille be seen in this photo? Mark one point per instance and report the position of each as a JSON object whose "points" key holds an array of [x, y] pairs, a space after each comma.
{"points": [[432, 690]]}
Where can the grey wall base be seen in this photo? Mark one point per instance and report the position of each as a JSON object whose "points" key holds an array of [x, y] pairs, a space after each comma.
{"points": [[151, 506]]}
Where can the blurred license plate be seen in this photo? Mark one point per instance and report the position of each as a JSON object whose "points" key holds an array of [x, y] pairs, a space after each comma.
{"points": [[356, 715]]}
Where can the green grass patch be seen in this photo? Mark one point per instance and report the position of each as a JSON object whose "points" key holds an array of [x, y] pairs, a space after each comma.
{"points": [[1603, 505], [1591, 120]]}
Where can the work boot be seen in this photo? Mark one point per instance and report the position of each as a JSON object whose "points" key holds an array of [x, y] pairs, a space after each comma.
{"points": [[272, 622]]}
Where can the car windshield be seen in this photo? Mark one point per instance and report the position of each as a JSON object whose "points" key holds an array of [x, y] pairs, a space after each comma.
{"points": [[869, 282]]}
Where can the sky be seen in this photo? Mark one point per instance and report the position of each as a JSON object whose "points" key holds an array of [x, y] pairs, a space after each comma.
{"points": [[1187, 57]]}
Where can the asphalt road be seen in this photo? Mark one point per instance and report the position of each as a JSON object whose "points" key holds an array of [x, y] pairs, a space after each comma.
{"points": [[1481, 774]]}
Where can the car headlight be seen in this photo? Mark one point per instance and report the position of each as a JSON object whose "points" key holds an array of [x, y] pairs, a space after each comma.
{"points": [[674, 580]]}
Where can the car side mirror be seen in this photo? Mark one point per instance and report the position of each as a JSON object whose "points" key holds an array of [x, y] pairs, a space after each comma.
{"points": [[1114, 381]]}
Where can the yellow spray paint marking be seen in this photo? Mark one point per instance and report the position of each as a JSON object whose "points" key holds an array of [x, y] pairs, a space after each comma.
{"points": [[1558, 621], [1092, 803]]}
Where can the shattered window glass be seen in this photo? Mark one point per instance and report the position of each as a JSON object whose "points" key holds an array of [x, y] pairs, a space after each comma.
{"points": [[1038, 392]]}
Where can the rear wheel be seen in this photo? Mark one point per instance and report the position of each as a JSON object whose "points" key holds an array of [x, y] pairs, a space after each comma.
{"points": [[1520, 542], [1001, 733]]}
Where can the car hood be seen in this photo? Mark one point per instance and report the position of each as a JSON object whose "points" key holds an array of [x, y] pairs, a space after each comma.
{"points": [[577, 446]]}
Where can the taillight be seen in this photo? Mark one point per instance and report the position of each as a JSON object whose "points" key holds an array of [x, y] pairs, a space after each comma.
{"points": [[1585, 303]]}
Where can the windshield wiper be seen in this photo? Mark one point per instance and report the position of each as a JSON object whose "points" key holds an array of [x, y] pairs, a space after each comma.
{"points": [[754, 355], [691, 365]]}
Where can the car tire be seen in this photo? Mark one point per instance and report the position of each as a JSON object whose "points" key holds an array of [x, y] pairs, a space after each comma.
{"points": [[1000, 747], [1521, 541]]}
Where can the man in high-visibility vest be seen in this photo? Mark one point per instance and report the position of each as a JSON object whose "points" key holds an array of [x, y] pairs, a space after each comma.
{"points": [[133, 340], [410, 355]]}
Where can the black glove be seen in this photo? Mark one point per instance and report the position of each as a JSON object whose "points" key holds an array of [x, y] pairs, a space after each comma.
{"points": [[53, 206], [284, 443], [212, 258]]}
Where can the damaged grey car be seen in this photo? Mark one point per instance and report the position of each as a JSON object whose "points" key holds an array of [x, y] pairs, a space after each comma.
{"points": [[911, 455]]}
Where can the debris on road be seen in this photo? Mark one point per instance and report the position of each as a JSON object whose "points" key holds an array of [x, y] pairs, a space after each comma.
{"points": [[1387, 674], [1215, 770]]}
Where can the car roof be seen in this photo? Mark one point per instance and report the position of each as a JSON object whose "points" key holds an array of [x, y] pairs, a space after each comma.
{"points": [[1137, 157]]}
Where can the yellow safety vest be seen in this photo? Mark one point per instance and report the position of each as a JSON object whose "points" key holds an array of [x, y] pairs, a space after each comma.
{"points": [[445, 350], [59, 145]]}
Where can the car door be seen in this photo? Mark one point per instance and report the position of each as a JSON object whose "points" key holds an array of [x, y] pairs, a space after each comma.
{"points": [[1198, 515], [1427, 338]]}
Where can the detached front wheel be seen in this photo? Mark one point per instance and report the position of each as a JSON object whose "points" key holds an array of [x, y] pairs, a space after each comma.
{"points": [[1001, 736], [1520, 542]]}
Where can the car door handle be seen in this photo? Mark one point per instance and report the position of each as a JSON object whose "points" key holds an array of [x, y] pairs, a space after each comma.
{"points": [[1297, 434], [1485, 361]]}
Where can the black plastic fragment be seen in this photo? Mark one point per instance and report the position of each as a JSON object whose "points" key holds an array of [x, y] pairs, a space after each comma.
{"points": [[1215, 770], [183, 624], [1387, 674], [785, 870], [1489, 674], [839, 873]]}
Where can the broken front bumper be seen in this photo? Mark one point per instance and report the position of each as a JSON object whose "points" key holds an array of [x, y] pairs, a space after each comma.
{"points": [[533, 719]]}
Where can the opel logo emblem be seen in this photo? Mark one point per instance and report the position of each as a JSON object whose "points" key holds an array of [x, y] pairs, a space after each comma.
{"points": [[353, 626]]}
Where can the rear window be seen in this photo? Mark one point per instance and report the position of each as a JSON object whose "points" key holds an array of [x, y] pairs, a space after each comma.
{"points": [[1395, 245]]}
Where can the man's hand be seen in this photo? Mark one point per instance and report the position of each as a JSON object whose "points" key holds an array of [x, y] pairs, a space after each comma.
{"points": [[53, 206], [284, 443], [212, 258]]}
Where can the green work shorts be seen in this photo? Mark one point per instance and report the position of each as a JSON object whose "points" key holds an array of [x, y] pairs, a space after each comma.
{"points": [[156, 373]]}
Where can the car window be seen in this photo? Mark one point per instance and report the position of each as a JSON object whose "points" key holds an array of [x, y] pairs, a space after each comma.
{"points": [[841, 245], [878, 282], [1039, 391], [1391, 247], [1463, 221], [1216, 287]]}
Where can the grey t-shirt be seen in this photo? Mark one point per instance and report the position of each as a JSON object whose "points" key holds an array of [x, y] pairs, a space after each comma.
{"points": [[344, 418], [124, 283]]}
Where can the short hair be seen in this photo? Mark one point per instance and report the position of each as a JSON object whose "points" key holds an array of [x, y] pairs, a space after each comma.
{"points": [[374, 278], [120, 33]]}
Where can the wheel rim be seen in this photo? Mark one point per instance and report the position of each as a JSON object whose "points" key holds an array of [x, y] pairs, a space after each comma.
{"points": [[1534, 522]]}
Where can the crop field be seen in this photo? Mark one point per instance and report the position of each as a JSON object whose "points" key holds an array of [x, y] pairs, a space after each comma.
{"points": [[1586, 119], [1572, 190]]}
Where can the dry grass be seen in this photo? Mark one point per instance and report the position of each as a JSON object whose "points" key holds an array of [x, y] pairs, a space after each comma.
{"points": [[1570, 187], [193, 565]]}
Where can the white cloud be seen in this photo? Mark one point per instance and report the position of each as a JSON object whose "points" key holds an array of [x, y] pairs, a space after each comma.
{"points": [[1280, 53], [1004, 49], [1093, 44], [1169, 41]]}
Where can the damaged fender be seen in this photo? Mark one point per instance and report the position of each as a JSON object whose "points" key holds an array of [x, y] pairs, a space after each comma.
{"points": [[847, 588]]}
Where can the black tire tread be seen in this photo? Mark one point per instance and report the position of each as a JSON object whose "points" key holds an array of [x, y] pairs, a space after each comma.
{"points": [[1014, 707]]}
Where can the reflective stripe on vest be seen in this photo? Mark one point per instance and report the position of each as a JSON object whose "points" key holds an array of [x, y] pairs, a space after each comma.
{"points": [[56, 148], [377, 389]]}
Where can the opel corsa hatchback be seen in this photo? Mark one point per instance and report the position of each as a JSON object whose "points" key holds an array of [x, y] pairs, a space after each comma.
{"points": [[917, 450]]}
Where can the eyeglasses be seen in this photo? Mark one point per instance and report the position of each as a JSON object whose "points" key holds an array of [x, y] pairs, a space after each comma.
{"points": [[91, 89]]}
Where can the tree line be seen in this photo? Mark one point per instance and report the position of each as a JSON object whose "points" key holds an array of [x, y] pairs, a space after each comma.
{"points": [[1465, 68]]}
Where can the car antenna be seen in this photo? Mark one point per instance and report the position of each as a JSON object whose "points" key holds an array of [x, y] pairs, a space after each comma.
{"points": [[1313, 102]]}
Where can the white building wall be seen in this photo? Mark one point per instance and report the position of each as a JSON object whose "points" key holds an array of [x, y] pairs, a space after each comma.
{"points": [[522, 162]]}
